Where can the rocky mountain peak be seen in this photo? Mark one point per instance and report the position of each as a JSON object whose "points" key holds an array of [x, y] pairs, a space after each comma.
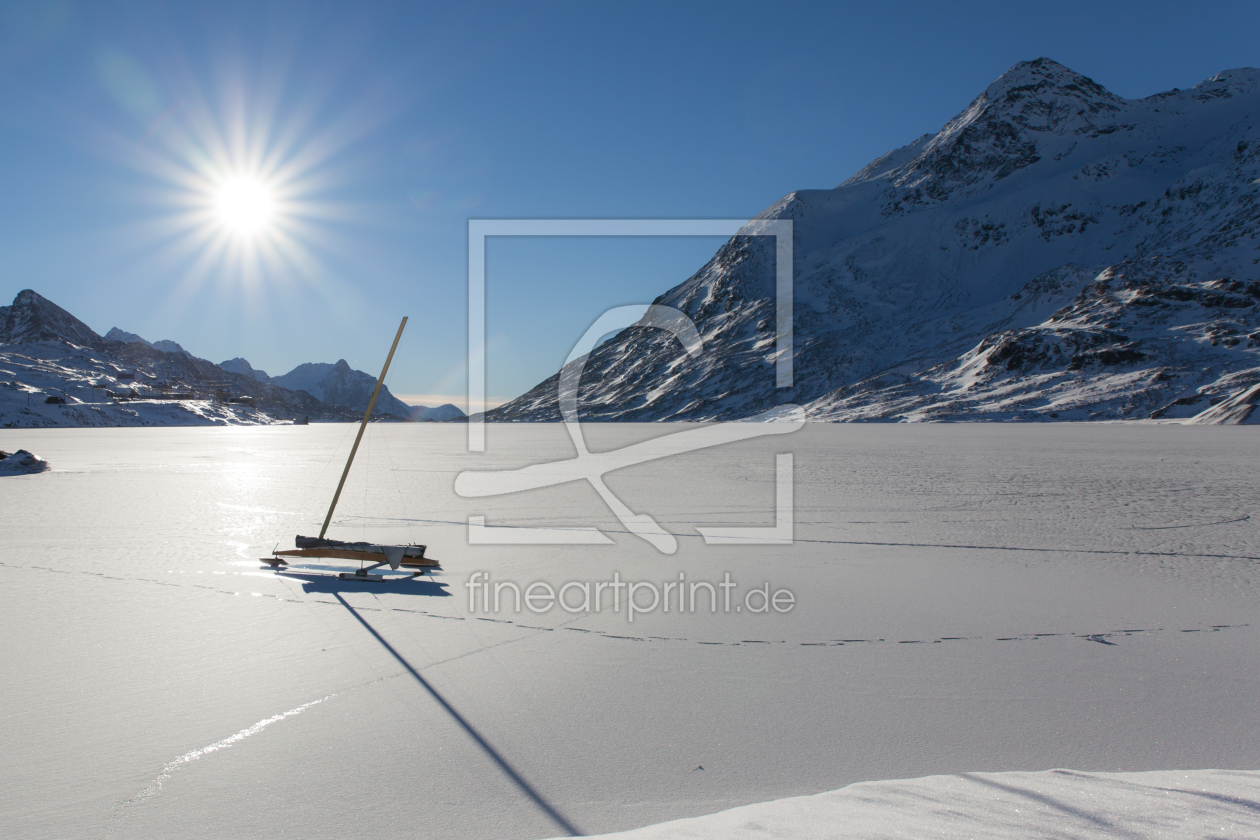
{"points": [[1041, 79], [32, 318], [1028, 111]]}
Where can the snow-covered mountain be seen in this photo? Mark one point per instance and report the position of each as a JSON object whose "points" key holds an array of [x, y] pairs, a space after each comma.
{"points": [[57, 371], [436, 414], [1054, 252], [341, 385]]}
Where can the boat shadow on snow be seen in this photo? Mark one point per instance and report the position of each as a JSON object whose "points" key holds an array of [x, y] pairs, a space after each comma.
{"points": [[331, 584]]}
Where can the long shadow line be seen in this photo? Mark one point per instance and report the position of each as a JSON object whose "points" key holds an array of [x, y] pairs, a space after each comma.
{"points": [[508, 770]]}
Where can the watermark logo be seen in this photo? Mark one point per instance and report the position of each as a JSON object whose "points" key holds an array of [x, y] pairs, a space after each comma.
{"points": [[593, 466], [681, 597]]}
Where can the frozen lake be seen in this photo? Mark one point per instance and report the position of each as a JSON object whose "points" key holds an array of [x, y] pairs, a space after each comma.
{"points": [[967, 598]]}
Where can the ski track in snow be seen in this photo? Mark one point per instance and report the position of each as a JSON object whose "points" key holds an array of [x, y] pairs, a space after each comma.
{"points": [[155, 787]]}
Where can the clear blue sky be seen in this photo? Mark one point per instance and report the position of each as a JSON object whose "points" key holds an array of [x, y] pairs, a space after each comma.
{"points": [[383, 127]]}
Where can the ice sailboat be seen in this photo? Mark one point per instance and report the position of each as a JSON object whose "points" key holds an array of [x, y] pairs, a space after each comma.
{"points": [[370, 555]]}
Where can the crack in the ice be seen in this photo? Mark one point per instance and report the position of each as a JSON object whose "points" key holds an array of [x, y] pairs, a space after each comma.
{"points": [[1191, 525]]}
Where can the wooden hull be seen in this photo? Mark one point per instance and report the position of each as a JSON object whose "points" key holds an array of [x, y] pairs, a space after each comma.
{"points": [[362, 556]]}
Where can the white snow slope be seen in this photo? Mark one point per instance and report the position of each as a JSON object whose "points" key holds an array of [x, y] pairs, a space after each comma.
{"points": [[1060, 804], [1053, 251]]}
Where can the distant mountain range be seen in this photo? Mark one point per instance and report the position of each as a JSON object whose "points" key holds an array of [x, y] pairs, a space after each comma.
{"points": [[437, 414], [339, 384], [1054, 252], [57, 371], [165, 345]]}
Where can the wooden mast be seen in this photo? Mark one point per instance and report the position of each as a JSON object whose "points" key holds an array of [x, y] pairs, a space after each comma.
{"points": [[366, 416]]}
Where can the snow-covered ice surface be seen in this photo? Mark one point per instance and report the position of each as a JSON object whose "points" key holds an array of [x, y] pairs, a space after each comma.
{"points": [[970, 599]]}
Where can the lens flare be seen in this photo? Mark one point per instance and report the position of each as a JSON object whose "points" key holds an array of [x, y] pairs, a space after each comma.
{"points": [[243, 175]]}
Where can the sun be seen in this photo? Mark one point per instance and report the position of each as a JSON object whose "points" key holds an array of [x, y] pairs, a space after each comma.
{"points": [[245, 205]]}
